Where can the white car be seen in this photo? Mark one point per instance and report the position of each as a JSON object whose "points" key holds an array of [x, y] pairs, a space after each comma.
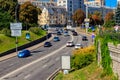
{"points": [[70, 44], [77, 46]]}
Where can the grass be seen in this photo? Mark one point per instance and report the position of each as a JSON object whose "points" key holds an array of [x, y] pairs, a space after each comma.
{"points": [[7, 43], [91, 72]]}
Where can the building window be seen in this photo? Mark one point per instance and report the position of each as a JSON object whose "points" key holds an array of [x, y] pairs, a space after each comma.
{"points": [[70, 2], [70, 5]]}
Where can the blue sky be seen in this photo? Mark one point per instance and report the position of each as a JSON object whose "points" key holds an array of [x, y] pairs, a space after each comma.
{"points": [[111, 3]]}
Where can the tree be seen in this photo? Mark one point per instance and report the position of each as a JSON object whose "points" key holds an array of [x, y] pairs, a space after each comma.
{"points": [[78, 16], [28, 13], [9, 6], [109, 16], [96, 17], [7, 10], [109, 20], [5, 19]]}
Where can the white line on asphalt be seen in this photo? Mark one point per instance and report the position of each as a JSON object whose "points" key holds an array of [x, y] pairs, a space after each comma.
{"points": [[27, 76], [23, 67], [44, 66]]}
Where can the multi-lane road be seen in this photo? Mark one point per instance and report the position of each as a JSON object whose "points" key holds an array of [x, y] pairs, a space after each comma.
{"points": [[43, 62]]}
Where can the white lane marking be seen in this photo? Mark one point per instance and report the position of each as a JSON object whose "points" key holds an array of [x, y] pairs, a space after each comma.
{"points": [[27, 76], [11, 64], [57, 59], [44, 66], [23, 67]]}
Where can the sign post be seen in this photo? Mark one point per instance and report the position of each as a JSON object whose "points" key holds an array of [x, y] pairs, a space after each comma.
{"points": [[65, 64], [16, 31]]}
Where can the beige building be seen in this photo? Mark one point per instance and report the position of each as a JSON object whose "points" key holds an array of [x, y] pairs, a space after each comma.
{"points": [[52, 16]]}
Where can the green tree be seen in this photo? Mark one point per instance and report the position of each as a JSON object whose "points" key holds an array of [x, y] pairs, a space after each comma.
{"points": [[9, 6], [78, 16], [28, 13], [5, 19]]}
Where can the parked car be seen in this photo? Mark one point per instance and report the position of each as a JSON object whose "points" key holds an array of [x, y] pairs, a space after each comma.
{"points": [[23, 53], [77, 46], [84, 38], [47, 44], [70, 44], [56, 38]]}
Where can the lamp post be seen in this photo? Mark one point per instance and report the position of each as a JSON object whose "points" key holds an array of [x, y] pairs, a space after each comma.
{"points": [[16, 18], [86, 19]]}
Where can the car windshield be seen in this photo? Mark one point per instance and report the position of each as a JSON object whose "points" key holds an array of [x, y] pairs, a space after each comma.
{"points": [[55, 37]]}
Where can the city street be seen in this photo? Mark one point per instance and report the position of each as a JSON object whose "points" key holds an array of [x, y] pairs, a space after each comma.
{"points": [[43, 62]]}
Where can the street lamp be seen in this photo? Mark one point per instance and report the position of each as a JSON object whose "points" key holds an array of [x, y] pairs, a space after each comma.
{"points": [[16, 18], [86, 19]]}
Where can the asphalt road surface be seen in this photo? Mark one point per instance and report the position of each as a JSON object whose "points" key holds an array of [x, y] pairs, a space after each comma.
{"points": [[42, 63]]}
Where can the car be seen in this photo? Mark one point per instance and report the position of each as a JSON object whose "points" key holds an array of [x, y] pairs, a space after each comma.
{"points": [[77, 46], [58, 33], [56, 38], [23, 53], [66, 33], [70, 44], [47, 44], [84, 38], [75, 33]]}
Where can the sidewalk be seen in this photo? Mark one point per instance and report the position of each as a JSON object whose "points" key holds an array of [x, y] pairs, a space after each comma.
{"points": [[30, 48]]}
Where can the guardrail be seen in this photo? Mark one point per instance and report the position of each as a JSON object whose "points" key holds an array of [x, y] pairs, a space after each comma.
{"points": [[26, 45], [53, 75]]}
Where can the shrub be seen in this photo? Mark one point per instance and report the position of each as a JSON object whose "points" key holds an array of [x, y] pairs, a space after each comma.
{"points": [[82, 57], [36, 30], [6, 31]]}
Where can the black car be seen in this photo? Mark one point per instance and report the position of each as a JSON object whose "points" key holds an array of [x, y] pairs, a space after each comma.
{"points": [[58, 33], [47, 44], [74, 33], [84, 38]]}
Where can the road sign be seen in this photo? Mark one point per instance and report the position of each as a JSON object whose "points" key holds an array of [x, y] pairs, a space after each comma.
{"points": [[27, 35], [65, 62], [15, 29], [15, 25], [87, 20], [16, 32], [87, 24]]}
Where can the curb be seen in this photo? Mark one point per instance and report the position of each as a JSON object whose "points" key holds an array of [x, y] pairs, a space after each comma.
{"points": [[53, 75], [30, 48]]}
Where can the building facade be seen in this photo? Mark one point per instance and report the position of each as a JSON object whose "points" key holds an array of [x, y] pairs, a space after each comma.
{"points": [[71, 5], [52, 16]]}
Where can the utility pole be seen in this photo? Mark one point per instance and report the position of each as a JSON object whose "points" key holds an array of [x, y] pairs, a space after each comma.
{"points": [[16, 18], [86, 19]]}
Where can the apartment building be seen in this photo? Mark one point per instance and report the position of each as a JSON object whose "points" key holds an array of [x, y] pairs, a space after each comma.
{"points": [[52, 16], [71, 5]]}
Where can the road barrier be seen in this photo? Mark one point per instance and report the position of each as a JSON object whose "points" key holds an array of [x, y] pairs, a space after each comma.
{"points": [[26, 45], [53, 75]]}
